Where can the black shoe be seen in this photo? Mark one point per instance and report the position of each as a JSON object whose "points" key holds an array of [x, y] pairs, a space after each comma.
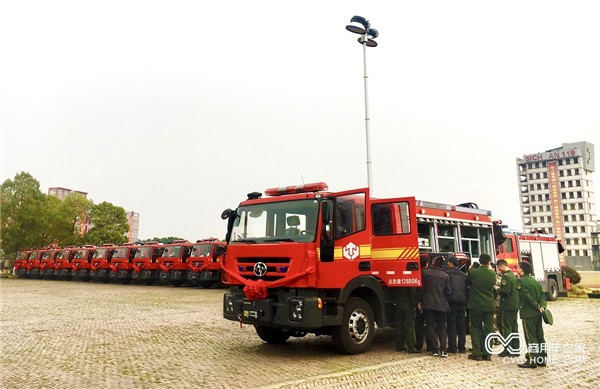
{"points": [[452, 351], [413, 351], [504, 354], [435, 353], [444, 354], [527, 366], [462, 351], [473, 357], [487, 357], [400, 349]]}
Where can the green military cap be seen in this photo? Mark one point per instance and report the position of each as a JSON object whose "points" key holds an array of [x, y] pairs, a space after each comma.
{"points": [[547, 316]]}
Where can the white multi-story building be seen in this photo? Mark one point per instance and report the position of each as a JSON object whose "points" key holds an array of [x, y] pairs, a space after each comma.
{"points": [[557, 196]]}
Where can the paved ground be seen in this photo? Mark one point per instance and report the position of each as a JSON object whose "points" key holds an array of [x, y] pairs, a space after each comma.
{"points": [[65, 334]]}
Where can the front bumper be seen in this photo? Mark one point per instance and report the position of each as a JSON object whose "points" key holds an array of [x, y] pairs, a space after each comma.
{"points": [[289, 308]]}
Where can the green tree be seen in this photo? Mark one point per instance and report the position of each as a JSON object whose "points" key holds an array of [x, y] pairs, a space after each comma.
{"points": [[65, 219], [22, 208], [109, 224]]}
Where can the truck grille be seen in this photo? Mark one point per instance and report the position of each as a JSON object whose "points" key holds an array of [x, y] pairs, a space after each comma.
{"points": [[277, 268]]}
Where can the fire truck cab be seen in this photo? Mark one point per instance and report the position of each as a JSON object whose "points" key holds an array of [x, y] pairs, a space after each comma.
{"points": [[82, 263], [47, 263], [121, 263], [34, 263], [173, 262], [64, 262], [145, 262], [20, 264], [539, 249], [100, 271], [205, 262]]}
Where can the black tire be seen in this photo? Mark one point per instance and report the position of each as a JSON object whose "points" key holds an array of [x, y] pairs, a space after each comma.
{"points": [[552, 293], [272, 335], [206, 284], [178, 282], [355, 334]]}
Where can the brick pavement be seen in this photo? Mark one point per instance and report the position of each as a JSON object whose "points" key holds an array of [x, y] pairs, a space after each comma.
{"points": [[58, 334]]}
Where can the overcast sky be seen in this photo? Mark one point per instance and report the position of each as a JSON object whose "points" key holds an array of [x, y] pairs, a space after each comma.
{"points": [[178, 109]]}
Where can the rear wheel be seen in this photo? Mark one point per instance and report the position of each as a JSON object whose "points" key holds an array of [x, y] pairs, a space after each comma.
{"points": [[272, 335], [206, 284], [552, 293], [355, 334]]}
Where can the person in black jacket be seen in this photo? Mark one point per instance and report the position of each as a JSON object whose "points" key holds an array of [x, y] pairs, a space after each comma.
{"points": [[458, 302], [436, 288]]}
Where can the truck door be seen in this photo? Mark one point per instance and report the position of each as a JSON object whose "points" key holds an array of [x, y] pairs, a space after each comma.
{"points": [[395, 242]]}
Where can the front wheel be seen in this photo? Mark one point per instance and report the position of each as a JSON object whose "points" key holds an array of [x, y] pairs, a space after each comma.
{"points": [[272, 335], [552, 293], [355, 334]]}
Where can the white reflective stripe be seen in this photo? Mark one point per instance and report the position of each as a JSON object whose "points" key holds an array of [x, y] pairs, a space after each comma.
{"points": [[390, 272]]}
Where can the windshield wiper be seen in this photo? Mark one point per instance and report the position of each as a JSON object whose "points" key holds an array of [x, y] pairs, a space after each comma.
{"points": [[279, 240], [244, 241]]}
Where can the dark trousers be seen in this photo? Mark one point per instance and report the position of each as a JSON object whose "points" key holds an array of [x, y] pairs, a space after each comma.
{"points": [[436, 329], [420, 331], [405, 328], [534, 336], [457, 327], [509, 325], [481, 325]]}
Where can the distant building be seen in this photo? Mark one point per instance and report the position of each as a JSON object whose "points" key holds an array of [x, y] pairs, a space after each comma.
{"points": [[133, 218], [556, 195], [61, 193]]}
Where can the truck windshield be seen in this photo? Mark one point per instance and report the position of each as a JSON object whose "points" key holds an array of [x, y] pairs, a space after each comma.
{"points": [[100, 253], [47, 255], [21, 256], [201, 250], [172, 252], [62, 254], [143, 252], [285, 221], [121, 253]]}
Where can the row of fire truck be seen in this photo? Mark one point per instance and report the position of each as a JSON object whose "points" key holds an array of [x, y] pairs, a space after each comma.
{"points": [[175, 263], [304, 260]]}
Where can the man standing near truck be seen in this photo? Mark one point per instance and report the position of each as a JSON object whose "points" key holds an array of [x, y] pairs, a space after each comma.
{"points": [[532, 303], [481, 304], [509, 306]]}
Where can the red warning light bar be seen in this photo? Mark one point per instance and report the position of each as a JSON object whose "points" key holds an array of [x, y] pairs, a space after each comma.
{"points": [[284, 190]]}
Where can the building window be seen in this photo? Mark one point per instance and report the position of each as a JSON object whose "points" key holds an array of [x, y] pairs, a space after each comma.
{"points": [[576, 172], [567, 230], [544, 165], [561, 173], [560, 162], [575, 160], [582, 228], [538, 176]]}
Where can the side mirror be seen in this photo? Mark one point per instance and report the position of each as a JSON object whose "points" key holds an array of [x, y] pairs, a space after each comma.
{"points": [[226, 213]]}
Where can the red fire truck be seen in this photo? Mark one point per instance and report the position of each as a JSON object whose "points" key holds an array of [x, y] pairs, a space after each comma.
{"points": [[100, 271], [82, 263], [47, 263], [121, 263], [303, 259], [20, 264], [205, 262], [145, 263], [542, 251], [173, 262], [34, 263], [64, 262]]}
